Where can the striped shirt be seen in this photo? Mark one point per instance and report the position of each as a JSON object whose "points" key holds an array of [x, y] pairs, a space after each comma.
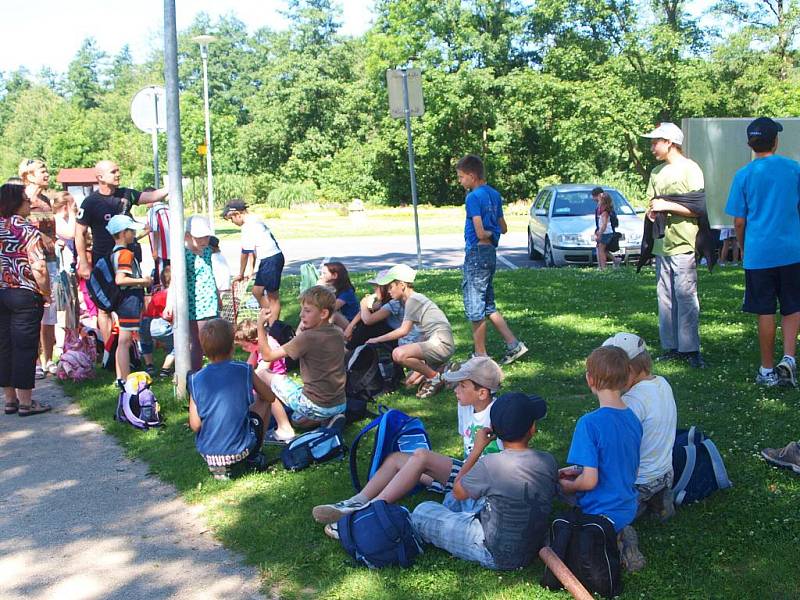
{"points": [[158, 221]]}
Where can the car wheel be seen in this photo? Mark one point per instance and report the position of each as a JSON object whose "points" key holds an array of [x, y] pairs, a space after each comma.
{"points": [[533, 254], [548, 254]]}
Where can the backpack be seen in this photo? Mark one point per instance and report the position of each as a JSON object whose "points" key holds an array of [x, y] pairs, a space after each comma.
{"points": [[699, 470], [371, 372], [283, 333], [308, 276], [313, 447], [77, 358], [396, 432], [137, 405], [102, 285], [588, 546], [380, 536]]}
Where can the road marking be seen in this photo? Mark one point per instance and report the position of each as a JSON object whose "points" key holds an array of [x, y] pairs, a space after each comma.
{"points": [[506, 262]]}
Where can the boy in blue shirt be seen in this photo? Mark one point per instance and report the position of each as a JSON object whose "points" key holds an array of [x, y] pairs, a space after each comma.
{"points": [[482, 230], [605, 452], [764, 200], [223, 411]]}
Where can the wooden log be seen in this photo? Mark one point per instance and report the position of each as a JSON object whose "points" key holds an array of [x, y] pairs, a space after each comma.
{"points": [[564, 575]]}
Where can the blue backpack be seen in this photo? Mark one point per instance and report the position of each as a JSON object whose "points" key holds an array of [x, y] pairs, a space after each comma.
{"points": [[699, 470], [397, 432], [379, 536]]}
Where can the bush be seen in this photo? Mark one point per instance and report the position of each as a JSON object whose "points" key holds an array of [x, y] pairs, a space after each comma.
{"points": [[285, 195]]}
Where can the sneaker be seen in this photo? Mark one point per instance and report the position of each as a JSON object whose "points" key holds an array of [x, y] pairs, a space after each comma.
{"points": [[662, 505], [220, 473], [786, 370], [150, 370], [166, 372], [336, 422], [695, 359], [788, 457], [332, 530], [668, 356], [514, 353], [330, 513], [39, 374], [632, 558], [768, 380], [51, 367]]}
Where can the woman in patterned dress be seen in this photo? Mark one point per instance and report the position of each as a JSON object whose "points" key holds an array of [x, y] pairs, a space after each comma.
{"points": [[24, 292]]}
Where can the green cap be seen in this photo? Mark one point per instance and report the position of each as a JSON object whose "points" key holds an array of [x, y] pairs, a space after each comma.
{"points": [[396, 273]]}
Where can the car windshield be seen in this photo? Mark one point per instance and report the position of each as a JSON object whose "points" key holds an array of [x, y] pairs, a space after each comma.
{"points": [[579, 203]]}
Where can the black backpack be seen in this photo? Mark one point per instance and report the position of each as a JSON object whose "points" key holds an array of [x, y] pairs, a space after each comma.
{"points": [[699, 470], [588, 546], [370, 373], [283, 334], [318, 446], [102, 284]]}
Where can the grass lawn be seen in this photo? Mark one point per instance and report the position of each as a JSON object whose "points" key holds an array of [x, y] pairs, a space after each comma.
{"points": [[377, 221], [740, 543]]}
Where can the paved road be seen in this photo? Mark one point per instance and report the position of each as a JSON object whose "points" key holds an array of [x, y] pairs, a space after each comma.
{"points": [[79, 521], [443, 251]]}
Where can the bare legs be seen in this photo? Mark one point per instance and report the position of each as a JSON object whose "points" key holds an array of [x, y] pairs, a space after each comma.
{"points": [[766, 336], [479, 332]]}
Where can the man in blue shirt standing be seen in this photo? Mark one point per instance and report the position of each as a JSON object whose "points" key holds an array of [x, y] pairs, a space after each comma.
{"points": [[482, 230], [765, 202]]}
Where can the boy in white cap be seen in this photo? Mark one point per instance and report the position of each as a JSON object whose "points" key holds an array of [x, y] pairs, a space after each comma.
{"points": [[128, 276], [429, 356], [676, 266], [650, 398], [476, 381]]}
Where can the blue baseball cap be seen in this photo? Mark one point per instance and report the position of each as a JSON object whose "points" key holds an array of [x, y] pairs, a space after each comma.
{"points": [[513, 414], [119, 223], [764, 128]]}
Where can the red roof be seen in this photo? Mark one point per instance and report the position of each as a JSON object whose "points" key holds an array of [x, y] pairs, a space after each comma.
{"points": [[85, 176]]}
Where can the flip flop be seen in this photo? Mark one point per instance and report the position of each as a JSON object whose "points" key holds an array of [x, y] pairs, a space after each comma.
{"points": [[271, 439], [36, 408]]}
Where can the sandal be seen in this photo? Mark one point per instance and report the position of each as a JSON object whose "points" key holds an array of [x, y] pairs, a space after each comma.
{"points": [[11, 408], [271, 439], [36, 408], [430, 388], [332, 530]]}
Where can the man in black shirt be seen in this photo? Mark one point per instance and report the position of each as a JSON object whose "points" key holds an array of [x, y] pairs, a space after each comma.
{"points": [[95, 211]]}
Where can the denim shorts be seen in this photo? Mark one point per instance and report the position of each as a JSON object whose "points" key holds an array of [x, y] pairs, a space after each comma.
{"points": [[291, 394], [480, 263], [269, 272]]}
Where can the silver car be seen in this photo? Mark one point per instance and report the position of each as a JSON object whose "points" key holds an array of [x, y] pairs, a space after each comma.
{"points": [[561, 227]]}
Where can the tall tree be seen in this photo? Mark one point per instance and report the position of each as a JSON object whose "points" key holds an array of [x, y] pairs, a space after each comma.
{"points": [[83, 75]]}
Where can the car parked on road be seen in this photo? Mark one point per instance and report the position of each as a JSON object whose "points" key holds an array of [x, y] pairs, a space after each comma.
{"points": [[561, 226]]}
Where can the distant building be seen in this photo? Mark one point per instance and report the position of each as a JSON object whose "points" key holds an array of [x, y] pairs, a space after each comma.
{"points": [[78, 182]]}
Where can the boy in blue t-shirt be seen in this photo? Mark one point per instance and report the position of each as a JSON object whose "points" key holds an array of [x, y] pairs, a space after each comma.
{"points": [[482, 230], [605, 452], [223, 411]]}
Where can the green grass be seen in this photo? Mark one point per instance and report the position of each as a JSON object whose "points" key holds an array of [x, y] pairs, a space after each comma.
{"points": [[740, 543]]}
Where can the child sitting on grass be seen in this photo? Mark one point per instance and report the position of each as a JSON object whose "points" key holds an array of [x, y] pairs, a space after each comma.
{"points": [[650, 398], [153, 313], [513, 489], [605, 453], [223, 412], [429, 356], [319, 347], [476, 382], [335, 275]]}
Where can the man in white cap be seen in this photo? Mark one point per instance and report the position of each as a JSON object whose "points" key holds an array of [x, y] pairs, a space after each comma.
{"points": [[676, 266]]}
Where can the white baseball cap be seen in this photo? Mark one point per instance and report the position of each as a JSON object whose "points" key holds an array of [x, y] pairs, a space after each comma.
{"points": [[396, 273], [197, 226], [630, 342], [667, 131]]}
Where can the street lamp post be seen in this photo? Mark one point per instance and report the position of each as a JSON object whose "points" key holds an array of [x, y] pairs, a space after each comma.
{"points": [[204, 41]]}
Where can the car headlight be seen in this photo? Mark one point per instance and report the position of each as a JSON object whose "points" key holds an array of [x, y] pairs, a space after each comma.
{"points": [[574, 239]]}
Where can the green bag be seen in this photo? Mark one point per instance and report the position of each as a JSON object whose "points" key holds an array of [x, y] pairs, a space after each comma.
{"points": [[308, 276]]}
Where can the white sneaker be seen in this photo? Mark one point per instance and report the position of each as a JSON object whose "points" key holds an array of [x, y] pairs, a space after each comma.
{"points": [[514, 353], [39, 373], [768, 380], [51, 367], [786, 370], [330, 513]]}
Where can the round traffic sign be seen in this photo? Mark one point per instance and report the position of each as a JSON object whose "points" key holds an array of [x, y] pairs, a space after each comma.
{"points": [[149, 109]]}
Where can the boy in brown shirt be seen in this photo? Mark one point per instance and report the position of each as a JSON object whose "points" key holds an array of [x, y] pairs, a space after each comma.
{"points": [[319, 346]]}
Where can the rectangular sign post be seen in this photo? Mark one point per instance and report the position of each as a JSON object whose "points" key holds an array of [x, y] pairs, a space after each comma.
{"points": [[405, 101]]}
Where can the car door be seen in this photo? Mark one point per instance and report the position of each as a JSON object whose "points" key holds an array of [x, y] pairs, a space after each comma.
{"points": [[543, 215], [537, 228]]}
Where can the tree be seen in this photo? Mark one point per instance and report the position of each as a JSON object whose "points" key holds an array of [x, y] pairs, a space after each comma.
{"points": [[83, 75]]}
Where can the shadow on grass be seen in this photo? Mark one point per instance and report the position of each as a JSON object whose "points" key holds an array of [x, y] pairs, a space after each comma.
{"points": [[735, 544]]}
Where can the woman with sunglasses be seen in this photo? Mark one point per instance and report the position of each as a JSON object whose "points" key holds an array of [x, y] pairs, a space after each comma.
{"points": [[24, 292]]}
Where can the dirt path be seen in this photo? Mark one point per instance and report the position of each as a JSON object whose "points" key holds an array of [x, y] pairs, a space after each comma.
{"points": [[78, 520]]}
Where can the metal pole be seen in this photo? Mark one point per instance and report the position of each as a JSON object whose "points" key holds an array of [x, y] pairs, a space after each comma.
{"points": [[154, 138], [209, 173], [411, 163], [174, 168]]}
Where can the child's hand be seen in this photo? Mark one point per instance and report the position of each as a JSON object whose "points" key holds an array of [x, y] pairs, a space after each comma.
{"points": [[263, 315], [484, 437], [147, 281], [348, 333]]}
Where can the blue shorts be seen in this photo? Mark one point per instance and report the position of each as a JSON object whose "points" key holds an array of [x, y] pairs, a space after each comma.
{"points": [[269, 272], [764, 288], [291, 394], [129, 310], [480, 263]]}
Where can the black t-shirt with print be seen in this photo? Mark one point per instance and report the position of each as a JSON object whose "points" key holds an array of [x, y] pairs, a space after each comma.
{"points": [[95, 212]]}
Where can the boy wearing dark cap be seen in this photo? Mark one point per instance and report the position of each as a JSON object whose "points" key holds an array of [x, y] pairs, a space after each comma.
{"points": [[764, 200], [260, 248], [513, 489], [476, 382]]}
